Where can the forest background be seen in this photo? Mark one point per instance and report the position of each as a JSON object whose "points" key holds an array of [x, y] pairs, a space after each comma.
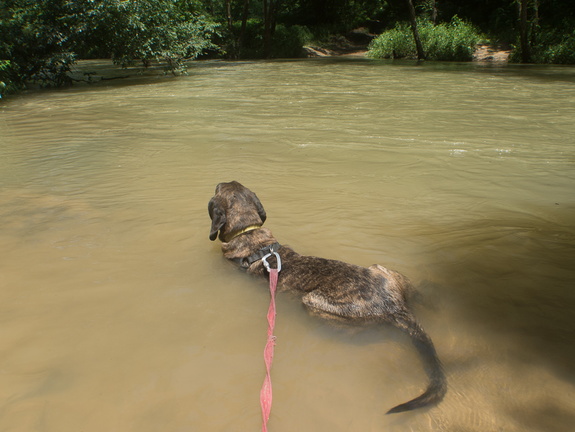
{"points": [[40, 40]]}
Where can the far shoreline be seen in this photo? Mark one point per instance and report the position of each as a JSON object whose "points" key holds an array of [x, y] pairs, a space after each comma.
{"points": [[484, 53]]}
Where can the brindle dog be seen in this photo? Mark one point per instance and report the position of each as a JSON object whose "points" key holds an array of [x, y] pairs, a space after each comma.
{"points": [[330, 289]]}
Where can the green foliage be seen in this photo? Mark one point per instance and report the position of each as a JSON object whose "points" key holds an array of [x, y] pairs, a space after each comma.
{"points": [[252, 46], [288, 40], [560, 53], [453, 41], [35, 38], [338, 16], [39, 40], [4, 67], [553, 47], [395, 43], [148, 30]]}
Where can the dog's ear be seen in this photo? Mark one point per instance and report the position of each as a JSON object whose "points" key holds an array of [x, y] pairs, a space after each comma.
{"points": [[218, 217], [260, 208]]}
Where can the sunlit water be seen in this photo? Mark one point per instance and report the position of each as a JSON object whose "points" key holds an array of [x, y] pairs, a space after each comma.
{"points": [[118, 314]]}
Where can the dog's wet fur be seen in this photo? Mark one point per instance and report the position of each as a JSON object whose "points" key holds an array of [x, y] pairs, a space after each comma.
{"points": [[330, 289]]}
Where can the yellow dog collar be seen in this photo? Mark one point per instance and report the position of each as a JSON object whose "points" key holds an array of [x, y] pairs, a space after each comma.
{"points": [[243, 231]]}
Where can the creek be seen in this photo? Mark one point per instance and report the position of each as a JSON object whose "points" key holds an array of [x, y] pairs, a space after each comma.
{"points": [[118, 314]]}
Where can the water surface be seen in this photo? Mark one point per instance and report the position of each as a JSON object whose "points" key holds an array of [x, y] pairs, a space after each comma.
{"points": [[118, 314]]}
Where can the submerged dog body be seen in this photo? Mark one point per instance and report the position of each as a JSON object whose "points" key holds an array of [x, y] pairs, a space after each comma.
{"points": [[330, 289]]}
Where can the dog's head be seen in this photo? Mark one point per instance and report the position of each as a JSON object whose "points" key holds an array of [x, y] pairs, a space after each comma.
{"points": [[232, 209]]}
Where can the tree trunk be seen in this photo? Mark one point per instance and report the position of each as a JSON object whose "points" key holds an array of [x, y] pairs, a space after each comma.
{"points": [[233, 50], [535, 23], [524, 32], [244, 25], [229, 15], [267, 36], [418, 45], [270, 11], [434, 12]]}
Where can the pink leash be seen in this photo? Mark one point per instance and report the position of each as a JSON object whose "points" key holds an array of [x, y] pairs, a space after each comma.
{"points": [[266, 391]]}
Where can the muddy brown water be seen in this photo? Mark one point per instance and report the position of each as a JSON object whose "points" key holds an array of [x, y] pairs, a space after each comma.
{"points": [[118, 314]]}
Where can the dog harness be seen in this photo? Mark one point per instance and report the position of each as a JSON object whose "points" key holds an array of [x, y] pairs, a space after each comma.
{"points": [[266, 250]]}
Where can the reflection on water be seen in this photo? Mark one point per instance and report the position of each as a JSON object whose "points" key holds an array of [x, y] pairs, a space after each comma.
{"points": [[119, 314]]}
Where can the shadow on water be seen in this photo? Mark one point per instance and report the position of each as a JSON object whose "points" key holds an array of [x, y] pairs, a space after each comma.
{"points": [[516, 280], [545, 416]]}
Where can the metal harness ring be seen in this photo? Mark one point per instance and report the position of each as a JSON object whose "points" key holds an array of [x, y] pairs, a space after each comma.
{"points": [[267, 265]]}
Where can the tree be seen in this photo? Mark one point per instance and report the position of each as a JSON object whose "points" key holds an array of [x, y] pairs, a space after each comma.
{"points": [[433, 12], [148, 30], [270, 11], [236, 43], [413, 22], [524, 32], [40, 40], [245, 14], [36, 41]]}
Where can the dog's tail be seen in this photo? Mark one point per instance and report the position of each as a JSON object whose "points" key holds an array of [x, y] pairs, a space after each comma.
{"points": [[438, 384]]}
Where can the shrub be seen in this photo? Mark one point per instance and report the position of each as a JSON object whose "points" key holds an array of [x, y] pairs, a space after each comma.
{"points": [[395, 43], [4, 82], [149, 30], [561, 53], [453, 41], [35, 43], [287, 42], [252, 44], [39, 40], [553, 47]]}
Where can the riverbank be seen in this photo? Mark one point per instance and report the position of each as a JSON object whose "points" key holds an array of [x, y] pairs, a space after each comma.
{"points": [[94, 71], [492, 53]]}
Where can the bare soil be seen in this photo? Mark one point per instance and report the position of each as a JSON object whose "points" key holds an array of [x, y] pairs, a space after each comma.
{"points": [[492, 53]]}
